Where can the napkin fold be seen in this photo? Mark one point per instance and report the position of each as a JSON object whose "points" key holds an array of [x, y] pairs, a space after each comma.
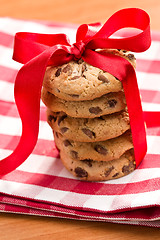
{"points": [[41, 185]]}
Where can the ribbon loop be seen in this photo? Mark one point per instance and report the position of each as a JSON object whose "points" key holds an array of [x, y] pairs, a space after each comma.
{"points": [[29, 45]]}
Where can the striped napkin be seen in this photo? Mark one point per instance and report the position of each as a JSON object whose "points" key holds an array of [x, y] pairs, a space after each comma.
{"points": [[41, 185]]}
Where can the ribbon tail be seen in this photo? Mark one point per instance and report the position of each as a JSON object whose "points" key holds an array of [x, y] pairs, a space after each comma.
{"points": [[136, 114], [28, 86], [123, 70]]}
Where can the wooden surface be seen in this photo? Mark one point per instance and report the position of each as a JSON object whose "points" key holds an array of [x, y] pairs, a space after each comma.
{"points": [[17, 227], [82, 11]]}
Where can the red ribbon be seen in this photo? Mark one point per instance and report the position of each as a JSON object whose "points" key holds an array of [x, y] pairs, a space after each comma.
{"points": [[37, 51]]}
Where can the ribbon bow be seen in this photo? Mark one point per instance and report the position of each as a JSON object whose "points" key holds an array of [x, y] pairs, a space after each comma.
{"points": [[37, 51]]}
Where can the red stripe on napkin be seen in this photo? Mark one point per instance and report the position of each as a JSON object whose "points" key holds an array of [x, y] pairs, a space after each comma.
{"points": [[6, 39], [150, 66]]}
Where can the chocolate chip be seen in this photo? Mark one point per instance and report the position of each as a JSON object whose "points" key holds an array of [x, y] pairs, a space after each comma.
{"points": [[57, 134], [108, 171], [102, 78], [75, 77], [61, 118], [95, 110], [80, 61], [67, 143], [51, 117], [67, 68], [88, 162], [88, 132], [84, 67], [100, 149], [74, 154], [115, 175], [58, 72], [64, 129], [80, 172], [112, 103], [128, 168], [131, 56], [74, 95]]}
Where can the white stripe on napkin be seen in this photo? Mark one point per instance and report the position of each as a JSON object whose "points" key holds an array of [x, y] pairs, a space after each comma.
{"points": [[16, 25], [12, 126], [8, 89], [148, 81], [152, 53], [6, 58]]}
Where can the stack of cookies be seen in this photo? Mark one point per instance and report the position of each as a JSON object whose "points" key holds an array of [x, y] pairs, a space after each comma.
{"points": [[86, 108]]}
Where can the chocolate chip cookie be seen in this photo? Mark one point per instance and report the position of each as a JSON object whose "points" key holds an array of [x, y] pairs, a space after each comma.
{"points": [[107, 104], [78, 80], [90, 170], [89, 129], [97, 151], [123, 53]]}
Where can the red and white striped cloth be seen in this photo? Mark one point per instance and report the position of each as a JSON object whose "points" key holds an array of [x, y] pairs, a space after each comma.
{"points": [[41, 185]]}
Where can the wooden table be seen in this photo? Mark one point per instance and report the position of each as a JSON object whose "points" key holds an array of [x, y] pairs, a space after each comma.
{"points": [[15, 227]]}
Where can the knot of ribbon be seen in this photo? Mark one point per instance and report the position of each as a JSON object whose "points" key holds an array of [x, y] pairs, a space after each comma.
{"points": [[37, 51], [77, 49]]}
